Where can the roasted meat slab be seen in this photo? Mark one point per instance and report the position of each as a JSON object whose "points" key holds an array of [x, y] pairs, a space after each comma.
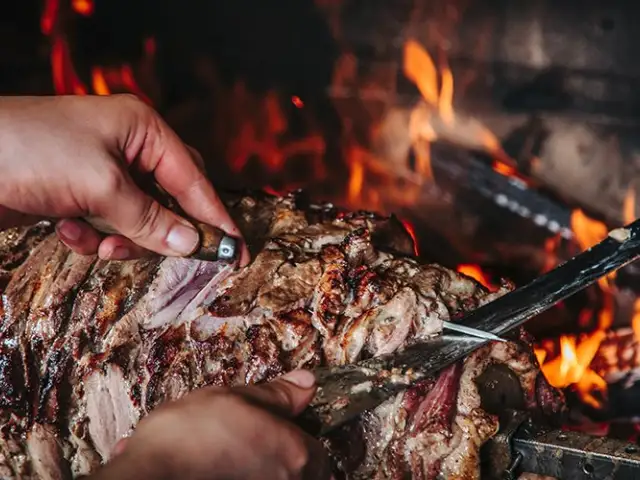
{"points": [[88, 347]]}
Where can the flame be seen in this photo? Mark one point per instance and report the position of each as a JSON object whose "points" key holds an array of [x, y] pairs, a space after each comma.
{"points": [[83, 7], [412, 233], [422, 134], [541, 354], [297, 101], [65, 79], [629, 206], [98, 81], [629, 214], [504, 169], [571, 367], [587, 233], [475, 272], [445, 103], [49, 15], [130, 84], [420, 69], [551, 246], [436, 117], [591, 382], [635, 321], [356, 174]]}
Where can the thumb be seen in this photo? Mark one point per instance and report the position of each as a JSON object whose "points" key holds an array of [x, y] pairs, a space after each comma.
{"points": [[137, 216], [286, 396]]}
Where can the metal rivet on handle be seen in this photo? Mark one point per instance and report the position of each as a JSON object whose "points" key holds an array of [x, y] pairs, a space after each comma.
{"points": [[227, 248]]}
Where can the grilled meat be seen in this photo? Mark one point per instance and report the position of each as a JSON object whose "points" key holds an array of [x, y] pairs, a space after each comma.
{"points": [[88, 347]]}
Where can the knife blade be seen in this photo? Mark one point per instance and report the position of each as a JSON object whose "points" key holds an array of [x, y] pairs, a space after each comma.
{"points": [[347, 391]]}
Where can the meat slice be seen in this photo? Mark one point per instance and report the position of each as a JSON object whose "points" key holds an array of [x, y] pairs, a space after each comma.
{"points": [[436, 428], [48, 461], [89, 347], [111, 413]]}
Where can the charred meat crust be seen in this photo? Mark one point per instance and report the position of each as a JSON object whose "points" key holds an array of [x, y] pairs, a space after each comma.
{"points": [[88, 347]]}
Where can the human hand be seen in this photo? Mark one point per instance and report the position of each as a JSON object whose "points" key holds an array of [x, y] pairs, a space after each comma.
{"points": [[70, 157], [219, 433]]}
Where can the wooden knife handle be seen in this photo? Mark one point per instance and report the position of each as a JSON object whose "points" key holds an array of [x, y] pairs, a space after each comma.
{"points": [[215, 244]]}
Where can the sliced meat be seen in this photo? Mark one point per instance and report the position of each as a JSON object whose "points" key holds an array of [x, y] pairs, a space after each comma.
{"points": [[89, 347]]}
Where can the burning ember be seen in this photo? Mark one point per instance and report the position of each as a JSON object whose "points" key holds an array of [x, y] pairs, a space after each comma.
{"points": [[255, 128]]}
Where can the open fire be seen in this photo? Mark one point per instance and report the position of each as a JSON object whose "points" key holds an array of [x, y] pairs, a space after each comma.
{"points": [[389, 170]]}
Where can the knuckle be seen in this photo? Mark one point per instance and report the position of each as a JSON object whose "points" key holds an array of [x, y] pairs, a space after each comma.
{"points": [[196, 157], [133, 108], [112, 181], [129, 99]]}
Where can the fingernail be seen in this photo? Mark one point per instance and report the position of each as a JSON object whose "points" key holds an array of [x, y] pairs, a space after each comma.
{"points": [[183, 239], [300, 378], [119, 253], [69, 230]]}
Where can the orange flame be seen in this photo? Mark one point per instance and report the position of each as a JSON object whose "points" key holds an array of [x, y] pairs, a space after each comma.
{"points": [[356, 174], [541, 354], [629, 206], [437, 118], [504, 169], [571, 367], [412, 233], [635, 322], [588, 232], [475, 272], [551, 246], [629, 215], [83, 7], [445, 103], [99, 82], [420, 69]]}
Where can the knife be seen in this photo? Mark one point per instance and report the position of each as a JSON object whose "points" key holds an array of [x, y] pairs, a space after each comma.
{"points": [[348, 390], [215, 244]]}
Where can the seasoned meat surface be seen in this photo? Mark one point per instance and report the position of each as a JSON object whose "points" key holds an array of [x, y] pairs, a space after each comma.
{"points": [[89, 347]]}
